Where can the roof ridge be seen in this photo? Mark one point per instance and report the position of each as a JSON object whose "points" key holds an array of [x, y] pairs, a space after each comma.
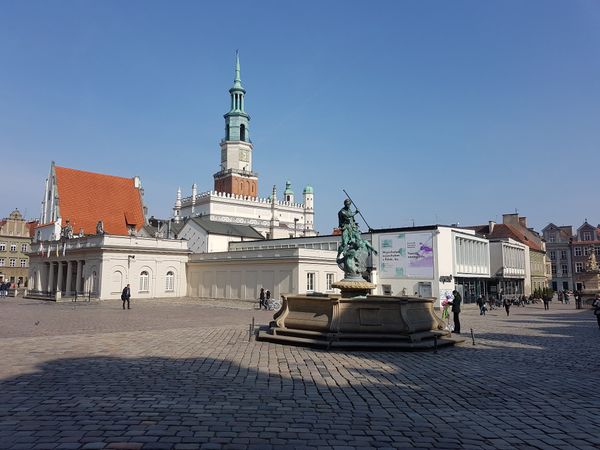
{"points": [[93, 173]]}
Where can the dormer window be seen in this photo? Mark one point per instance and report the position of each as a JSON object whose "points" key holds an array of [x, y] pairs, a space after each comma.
{"points": [[587, 235]]}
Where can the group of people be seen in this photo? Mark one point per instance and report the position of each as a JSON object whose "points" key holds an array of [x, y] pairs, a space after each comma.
{"points": [[264, 299], [4, 287]]}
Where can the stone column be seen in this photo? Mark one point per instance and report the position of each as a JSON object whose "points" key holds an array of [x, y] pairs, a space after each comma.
{"points": [[38, 279], [69, 286], [59, 277], [78, 277], [50, 278]]}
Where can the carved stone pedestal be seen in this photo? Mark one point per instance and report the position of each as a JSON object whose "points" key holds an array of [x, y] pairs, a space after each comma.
{"points": [[372, 321]]}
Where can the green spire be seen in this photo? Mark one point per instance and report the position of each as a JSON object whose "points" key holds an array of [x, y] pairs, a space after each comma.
{"points": [[237, 82], [236, 120]]}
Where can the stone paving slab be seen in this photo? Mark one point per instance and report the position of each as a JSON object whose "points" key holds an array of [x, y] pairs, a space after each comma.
{"points": [[181, 374]]}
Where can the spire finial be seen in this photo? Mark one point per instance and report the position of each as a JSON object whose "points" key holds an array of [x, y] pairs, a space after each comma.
{"points": [[237, 82]]}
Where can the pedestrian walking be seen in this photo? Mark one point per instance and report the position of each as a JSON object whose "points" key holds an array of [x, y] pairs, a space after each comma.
{"points": [[546, 301], [596, 306], [261, 299], [125, 296], [267, 299], [2, 289], [481, 304], [506, 303], [566, 295], [456, 310], [577, 296]]}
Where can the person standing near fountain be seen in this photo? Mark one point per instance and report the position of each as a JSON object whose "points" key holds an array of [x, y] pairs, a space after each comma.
{"points": [[456, 310]]}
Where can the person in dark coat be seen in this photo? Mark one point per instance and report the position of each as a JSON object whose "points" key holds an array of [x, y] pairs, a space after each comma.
{"points": [[596, 306], [125, 296], [506, 304], [261, 299], [481, 304], [456, 310], [546, 301]]}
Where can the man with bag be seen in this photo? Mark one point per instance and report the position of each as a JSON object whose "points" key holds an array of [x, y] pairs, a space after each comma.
{"points": [[125, 296]]}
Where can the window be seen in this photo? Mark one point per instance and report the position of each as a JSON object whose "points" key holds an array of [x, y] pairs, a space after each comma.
{"points": [[23, 263], [564, 269], [578, 251], [12, 262], [553, 255], [2, 246], [2, 262], [144, 281], [24, 248], [170, 282], [597, 251], [310, 282], [578, 267], [563, 254], [551, 238], [587, 251], [587, 235], [13, 247], [553, 269], [330, 278]]}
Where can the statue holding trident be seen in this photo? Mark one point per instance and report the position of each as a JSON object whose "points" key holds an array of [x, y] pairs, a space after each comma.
{"points": [[353, 250]]}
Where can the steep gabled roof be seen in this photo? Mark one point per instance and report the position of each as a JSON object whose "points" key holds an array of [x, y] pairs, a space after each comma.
{"points": [[84, 198]]}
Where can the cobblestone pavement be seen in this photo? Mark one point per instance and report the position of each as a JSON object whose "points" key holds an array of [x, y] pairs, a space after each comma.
{"points": [[180, 374]]}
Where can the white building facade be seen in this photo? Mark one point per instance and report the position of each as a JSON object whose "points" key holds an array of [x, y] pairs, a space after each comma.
{"points": [[101, 266]]}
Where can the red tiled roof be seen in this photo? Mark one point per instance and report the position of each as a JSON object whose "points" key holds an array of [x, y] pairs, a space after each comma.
{"points": [[85, 198], [31, 226], [502, 231]]}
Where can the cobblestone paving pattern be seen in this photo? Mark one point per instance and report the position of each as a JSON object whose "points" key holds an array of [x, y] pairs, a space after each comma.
{"points": [[181, 374]]}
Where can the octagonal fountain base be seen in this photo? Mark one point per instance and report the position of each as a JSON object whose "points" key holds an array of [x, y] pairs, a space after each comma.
{"points": [[365, 322]]}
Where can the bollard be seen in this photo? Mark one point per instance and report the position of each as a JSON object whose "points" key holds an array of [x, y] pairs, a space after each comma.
{"points": [[472, 336], [435, 344], [249, 332]]}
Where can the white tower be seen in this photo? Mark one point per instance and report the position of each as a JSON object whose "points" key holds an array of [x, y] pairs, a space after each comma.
{"points": [[177, 209], [309, 212]]}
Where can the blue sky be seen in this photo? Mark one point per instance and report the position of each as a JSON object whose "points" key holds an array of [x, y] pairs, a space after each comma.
{"points": [[431, 111]]}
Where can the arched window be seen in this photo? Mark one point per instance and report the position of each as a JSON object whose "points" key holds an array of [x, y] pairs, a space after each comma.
{"points": [[170, 282], [242, 132], [144, 281]]}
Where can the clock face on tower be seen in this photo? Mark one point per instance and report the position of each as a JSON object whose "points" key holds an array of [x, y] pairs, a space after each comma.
{"points": [[244, 155]]}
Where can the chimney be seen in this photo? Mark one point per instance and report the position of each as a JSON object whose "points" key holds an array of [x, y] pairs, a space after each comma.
{"points": [[523, 221], [491, 226]]}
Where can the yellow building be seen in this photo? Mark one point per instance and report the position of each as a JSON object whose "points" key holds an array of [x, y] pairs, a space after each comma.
{"points": [[15, 241]]}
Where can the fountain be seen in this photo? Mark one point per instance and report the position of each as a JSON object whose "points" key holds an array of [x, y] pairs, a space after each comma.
{"points": [[355, 318]]}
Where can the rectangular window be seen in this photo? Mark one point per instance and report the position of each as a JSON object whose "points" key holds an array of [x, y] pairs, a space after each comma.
{"points": [[578, 251], [330, 277], [551, 238], [24, 248], [2, 262], [587, 236], [578, 267], [12, 262], [564, 269], [310, 282], [553, 269], [597, 251], [13, 247], [2, 246], [553, 255], [23, 263], [563, 254], [587, 251]]}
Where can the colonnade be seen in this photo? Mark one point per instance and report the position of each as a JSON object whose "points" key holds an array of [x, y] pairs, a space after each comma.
{"points": [[65, 277]]}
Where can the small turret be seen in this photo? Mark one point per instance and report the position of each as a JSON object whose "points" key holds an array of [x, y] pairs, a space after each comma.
{"points": [[288, 194], [194, 193], [308, 197], [177, 209]]}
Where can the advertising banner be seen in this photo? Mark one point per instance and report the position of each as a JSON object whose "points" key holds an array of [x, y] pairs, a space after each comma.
{"points": [[406, 255]]}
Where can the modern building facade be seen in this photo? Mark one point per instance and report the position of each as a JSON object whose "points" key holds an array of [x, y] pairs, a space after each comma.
{"points": [[15, 242], [235, 198]]}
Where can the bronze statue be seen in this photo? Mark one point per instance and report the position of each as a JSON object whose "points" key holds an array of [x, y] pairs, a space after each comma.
{"points": [[353, 250]]}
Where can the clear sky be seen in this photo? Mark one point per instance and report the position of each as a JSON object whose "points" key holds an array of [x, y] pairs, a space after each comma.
{"points": [[424, 111]]}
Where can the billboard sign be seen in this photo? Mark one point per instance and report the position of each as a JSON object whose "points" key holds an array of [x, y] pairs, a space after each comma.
{"points": [[406, 255]]}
